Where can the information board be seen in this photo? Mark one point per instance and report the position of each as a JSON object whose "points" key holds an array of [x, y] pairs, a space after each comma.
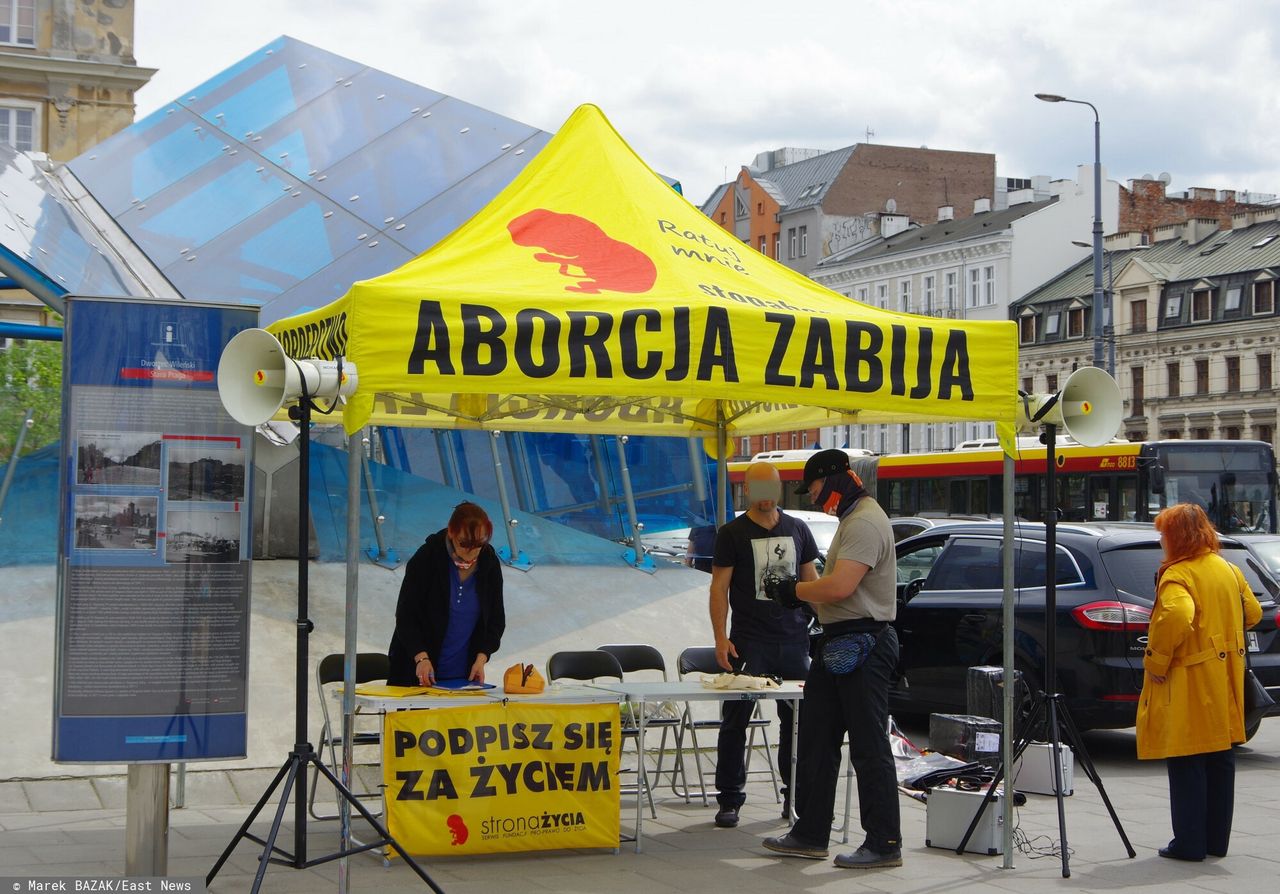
{"points": [[154, 547]]}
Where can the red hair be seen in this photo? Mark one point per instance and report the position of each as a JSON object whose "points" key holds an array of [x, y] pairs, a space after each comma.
{"points": [[469, 526], [1187, 532]]}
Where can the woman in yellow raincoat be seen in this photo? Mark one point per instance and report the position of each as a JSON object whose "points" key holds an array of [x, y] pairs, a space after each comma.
{"points": [[1192, 706]]}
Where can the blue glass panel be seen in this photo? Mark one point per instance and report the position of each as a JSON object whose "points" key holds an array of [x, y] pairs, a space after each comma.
{"points": [[139, 162], [183, 218], [446, 212], [268, 85], [373, 258], [344, 120], [49, 237], [271, 252], [420, 159]]}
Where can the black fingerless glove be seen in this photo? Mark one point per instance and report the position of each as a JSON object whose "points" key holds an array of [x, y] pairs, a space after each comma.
{"points": [[782, 590]]}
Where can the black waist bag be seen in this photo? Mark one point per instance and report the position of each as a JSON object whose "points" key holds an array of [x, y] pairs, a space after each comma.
{"points": [[844, 653]]}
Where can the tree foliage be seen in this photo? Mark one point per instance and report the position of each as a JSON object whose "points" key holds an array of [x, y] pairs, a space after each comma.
{"points": [[30, 379]]}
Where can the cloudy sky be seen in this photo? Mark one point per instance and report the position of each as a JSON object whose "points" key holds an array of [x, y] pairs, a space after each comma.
{"points": [[698, 87]]}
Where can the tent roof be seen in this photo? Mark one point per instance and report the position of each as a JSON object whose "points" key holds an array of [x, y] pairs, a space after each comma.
{"points": [[588, 296]]}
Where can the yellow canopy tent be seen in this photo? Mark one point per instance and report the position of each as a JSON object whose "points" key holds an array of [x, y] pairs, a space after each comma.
{"points": [[590, 297]]}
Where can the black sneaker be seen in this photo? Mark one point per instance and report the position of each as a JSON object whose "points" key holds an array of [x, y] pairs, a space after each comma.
{"points": [[865, 858], [727, 818], [790, 846]]}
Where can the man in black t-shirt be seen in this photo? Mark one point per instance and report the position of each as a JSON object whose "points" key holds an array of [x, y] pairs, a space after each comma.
{"points": [[766, 638]]}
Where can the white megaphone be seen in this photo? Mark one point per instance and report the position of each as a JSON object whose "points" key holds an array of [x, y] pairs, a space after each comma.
{"points": [[256, 377], [1088, 408]]}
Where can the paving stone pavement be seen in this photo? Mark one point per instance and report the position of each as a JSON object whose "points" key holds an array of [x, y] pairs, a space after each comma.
{"points": [[76, 827]]}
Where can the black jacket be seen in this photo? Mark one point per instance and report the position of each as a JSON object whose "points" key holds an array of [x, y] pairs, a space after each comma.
{"points": [[422, 611]]}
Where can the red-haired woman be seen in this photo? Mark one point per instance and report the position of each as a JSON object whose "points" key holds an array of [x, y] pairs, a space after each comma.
{"points": [[450, 616], [1192, 706]]}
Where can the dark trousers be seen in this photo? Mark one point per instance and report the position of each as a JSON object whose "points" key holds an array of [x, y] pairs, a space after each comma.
{"points": [[855, 705], [1201, 800], [789, 661]]}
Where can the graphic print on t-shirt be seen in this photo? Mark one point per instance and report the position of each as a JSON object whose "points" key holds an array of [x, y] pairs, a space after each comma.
{"points": [[773, 556]]}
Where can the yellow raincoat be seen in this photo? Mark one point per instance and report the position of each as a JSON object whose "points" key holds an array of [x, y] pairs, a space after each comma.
{"points": [[1196, 642]]}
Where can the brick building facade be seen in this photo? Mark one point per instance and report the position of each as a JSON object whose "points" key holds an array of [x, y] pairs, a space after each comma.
{"points": [[1146, 205]]}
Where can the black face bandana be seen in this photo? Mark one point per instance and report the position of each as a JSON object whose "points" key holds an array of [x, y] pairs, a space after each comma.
{"points": [[839, 492]]}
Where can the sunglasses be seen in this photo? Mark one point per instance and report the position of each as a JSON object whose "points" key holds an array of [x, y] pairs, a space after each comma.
{"points": [[470, 544]]}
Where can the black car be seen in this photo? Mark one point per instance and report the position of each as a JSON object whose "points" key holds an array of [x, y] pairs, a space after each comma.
{"points": [[950, 589]]}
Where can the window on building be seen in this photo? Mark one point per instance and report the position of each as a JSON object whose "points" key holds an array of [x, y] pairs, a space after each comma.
{"points": [[1173, 307], [1264, 372], [1028, 385], [1051, 382], [18, 127], [804, 241], [951, 291], [1075, 322], [1174, 370], [777, 245], [1233, 374], [863, 294], [930, 284], [18, 22], [975, 286], [882, 296], [1137, 375], [1172, 434], [1232, 301], [1027, 329], [904, 296], [988, 285], [1264, 297], [1265, 433], [1202, 375], [759, 208], [1231, 432], [792, 244], [1136, 434], [1051, 322], [1138, 315], [1201, 305], [1200, 434], [740, 211], [724, 217]]}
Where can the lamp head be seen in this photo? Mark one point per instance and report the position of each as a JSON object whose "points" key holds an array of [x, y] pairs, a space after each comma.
{"points": [[1050, 97]]}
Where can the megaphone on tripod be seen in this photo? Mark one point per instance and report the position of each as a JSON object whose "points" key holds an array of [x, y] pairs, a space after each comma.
{"points": [[256, 377], [1088, 408]]}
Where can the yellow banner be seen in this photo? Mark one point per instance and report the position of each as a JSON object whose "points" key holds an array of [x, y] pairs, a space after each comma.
{"points": [[588, 286], [513, 777]]}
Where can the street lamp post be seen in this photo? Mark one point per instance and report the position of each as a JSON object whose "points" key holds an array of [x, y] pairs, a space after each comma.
{"points": [[1109, 330], [1097, 220]]}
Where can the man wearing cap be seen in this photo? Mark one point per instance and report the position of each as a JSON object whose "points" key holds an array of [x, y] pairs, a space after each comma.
{"points": [[854, 601], [767, 638]]}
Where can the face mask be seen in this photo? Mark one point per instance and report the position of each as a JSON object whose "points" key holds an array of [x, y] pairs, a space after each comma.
{"points": [[463, 566], [759, 491]]}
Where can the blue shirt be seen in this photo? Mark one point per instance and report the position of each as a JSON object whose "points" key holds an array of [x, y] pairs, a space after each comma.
{"points": [[464, 614]]}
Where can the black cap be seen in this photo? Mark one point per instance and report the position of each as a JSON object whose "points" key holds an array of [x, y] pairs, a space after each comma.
{"points": [[823, 463]]}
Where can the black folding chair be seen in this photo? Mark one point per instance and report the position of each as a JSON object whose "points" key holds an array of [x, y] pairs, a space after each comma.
{"points": [[702, 660], [597, 665], [370, 666], [637, 659]]}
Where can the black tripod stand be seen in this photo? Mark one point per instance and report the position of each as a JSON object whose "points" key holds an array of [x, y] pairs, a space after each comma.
{"points": [[303, 757], [1049, 704]]}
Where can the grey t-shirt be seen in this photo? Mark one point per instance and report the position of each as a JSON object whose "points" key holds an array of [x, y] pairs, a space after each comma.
{"points": [[864, 536]]}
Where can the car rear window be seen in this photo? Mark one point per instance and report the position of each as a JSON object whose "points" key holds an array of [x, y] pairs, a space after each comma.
{"points": [[1133, 569]]}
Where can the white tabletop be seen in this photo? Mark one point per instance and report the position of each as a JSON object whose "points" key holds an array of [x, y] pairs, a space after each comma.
{"points": [[691, 690], [556, 694]]}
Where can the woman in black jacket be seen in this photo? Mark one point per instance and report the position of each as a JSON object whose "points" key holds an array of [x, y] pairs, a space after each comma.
{"points": [[450, 616]]}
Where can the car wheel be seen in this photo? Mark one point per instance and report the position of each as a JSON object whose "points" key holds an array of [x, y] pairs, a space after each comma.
{"points": [[1025, 700]]}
